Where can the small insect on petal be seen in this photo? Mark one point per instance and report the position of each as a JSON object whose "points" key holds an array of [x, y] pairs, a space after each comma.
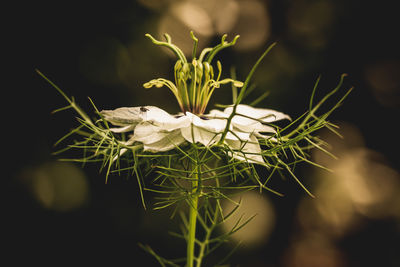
{"points": [[144, 109]]}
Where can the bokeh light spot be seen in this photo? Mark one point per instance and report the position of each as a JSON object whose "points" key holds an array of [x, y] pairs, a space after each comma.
{"points": [[194, 17], [58, 186], [313, 250], [253, 25], [259, 228], [181, 18], [361, 184], [223, 13], [371, 184]]}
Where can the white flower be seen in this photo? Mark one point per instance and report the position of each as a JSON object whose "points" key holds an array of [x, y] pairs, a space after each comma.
{"points": [[159, 131]]}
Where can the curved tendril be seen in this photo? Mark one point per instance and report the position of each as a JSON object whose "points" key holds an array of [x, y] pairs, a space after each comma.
{"points": [[177, 51], [204, 52], [196, 41], [221, 46], [216, 84], [164, 82]]}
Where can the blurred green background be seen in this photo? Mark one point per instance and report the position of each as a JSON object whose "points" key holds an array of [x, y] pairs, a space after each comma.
{"points": [[57, 213]]}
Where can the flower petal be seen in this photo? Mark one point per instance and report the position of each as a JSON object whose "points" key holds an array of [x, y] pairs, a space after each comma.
{"points": [[249, 126], [157, 116], [123, 129], [133, 115], [204, 131], [199, 135], [168, 142], [155, 139], [238, 136], [146, 133], [123, 116], [241, 123], [172, 123], [245, 150], [215, 114], [266, 115]]}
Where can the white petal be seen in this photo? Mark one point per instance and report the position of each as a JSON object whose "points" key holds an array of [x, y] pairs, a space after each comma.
{"points": [[173, 123], [123, 129], [204, 131], [155, 114], [249, 150], [266, 115], [123, 116], [200, 135], [215, 113], [163, 119], [133, 115], [238, 136], [147, 133], [266, 129], [156, 129], [241, 123], [168, 142], [250, 126], [212, 125], [155, 139]]}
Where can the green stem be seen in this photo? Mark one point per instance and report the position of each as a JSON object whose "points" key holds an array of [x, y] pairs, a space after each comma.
{"points": [[192, 224], [193, 212], [209, 230], [242, 93]]}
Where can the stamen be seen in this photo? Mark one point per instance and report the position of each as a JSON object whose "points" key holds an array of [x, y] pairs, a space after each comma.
{"points": [[194, 81]]}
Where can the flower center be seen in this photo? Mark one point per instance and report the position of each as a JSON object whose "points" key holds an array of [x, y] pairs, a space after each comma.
{"points": [[194, 82]]}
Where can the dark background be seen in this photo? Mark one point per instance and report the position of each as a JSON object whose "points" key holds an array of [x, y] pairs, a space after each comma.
{"points": [[65, 40]]}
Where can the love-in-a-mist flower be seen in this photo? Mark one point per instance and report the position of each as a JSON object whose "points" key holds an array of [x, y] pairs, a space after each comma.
{"points": [[194, 84], [199, 158]]}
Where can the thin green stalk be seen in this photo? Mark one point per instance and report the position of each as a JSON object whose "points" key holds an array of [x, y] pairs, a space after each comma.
{"points": [[192, 224], [69, 100], [193, 210], [242, 92], [208, 231]]}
